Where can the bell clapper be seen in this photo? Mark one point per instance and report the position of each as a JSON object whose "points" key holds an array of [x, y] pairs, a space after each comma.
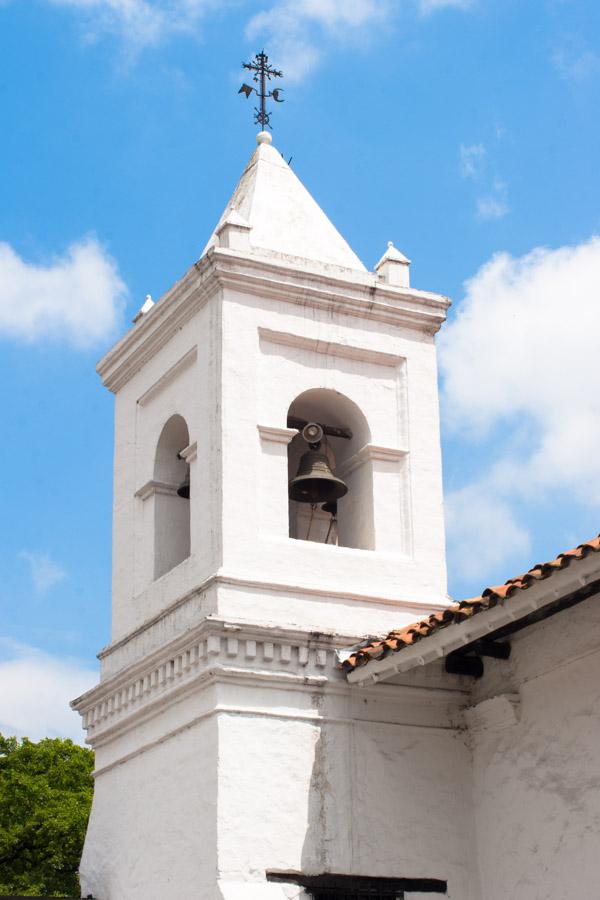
{"points": [[329, 529], [331, 507], [313, 506]]}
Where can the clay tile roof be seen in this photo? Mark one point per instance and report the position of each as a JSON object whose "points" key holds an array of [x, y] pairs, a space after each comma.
{"points": [[464, 609]]}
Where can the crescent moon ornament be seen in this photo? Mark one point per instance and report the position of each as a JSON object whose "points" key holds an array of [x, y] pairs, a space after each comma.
{"points": [[262, 72]]}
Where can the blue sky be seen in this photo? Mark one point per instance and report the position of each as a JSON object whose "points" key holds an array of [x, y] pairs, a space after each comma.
{"points": [[466, 132]]}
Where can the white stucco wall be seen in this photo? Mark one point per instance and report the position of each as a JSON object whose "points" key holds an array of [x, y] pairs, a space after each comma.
{"points": [[248, 753], [152, 831], [358, 798], [272, 353], [259, 758], [179, 378], [232, 372], [537, 772]]}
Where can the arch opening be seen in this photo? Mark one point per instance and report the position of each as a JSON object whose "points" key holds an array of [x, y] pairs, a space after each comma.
{"points": [[171, 510], [352, 525]]}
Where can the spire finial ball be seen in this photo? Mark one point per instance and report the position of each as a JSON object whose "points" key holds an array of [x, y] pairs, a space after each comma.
{"points": [[263, 137], [390, 243]]}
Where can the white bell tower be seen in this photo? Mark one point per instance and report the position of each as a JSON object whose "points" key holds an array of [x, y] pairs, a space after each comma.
{"points": [[229, 603]]}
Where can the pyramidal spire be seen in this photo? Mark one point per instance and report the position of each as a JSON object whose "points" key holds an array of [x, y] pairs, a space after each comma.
{"points": [[281, 216]]}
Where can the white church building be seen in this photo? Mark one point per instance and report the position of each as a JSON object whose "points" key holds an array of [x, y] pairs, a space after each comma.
{"points": [[277, 512]]}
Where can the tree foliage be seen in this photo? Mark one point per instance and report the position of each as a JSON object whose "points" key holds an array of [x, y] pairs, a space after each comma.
{"points": [[45, 797]]}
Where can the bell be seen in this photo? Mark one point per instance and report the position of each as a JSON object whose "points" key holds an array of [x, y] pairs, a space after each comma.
{"points": [[184, 488], [315, 482]]}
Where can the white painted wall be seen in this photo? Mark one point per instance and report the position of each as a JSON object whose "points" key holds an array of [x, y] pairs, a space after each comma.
{"points": [[272, 353], [372, 797], [152, 831], [179, 378], [251, 753], [537, 772], [232, 372], [246, 751]]}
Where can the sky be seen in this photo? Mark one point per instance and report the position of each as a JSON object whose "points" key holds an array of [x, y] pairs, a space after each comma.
{"points": [[466, 131]]}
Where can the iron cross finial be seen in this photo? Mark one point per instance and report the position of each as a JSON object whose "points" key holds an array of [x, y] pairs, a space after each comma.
{"points": [[263, 72]]}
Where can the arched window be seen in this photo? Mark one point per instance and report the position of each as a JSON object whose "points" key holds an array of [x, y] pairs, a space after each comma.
{"points": [[352, 524], [171, 509]]}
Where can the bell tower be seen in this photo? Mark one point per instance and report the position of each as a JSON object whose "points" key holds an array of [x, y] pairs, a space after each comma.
{"points": [[277, 495]]}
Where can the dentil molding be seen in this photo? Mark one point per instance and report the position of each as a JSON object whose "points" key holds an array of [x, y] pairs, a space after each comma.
{"points": [[212, 645]]}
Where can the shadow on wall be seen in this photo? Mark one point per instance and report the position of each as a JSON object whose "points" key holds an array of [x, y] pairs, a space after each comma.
{"points": [[316, 855], [333, 828]]}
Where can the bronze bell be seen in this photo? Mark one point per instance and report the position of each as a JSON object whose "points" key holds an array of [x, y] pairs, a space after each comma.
{"points": [[315, 482], [184, 488]]}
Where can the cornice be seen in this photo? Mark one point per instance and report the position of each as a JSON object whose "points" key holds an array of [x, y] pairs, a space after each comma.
{"points": [[291, 654], [351, 293], [245, 653], [156, 328], [356, 294], [419, 607]]}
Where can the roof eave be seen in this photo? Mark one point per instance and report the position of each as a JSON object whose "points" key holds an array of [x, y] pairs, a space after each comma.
{"points": [[453, 637]]}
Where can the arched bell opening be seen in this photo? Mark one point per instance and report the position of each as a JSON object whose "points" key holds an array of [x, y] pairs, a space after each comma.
{"points": [[172, 497], [330, 484]]}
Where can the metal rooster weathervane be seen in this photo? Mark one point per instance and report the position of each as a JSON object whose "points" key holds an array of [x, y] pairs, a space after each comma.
{"points": [[263, 72]]}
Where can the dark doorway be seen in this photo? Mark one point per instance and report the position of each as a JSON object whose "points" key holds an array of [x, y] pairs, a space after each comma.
{"points": [[359, 887]]}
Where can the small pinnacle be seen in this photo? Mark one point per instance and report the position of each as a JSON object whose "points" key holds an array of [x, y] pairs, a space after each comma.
{"points": [[147, 306], [390, 243], [263, 137]]}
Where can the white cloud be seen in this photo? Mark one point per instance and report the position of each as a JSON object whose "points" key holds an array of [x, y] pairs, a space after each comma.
{"points": [[35, 690], [472, 157], [495, 204], [78, 297], [295, 28], [428, 6], [491, 207], [295, 31], [522, 354], [141, 22], [576, 64], [45, 573], [482, 531], [473, 165]]}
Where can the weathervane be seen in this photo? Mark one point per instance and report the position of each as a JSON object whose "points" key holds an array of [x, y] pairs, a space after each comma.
{"points": [[262, 72]]}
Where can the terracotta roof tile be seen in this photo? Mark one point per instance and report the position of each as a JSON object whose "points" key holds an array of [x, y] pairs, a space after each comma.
{"points": [[460, 611]]}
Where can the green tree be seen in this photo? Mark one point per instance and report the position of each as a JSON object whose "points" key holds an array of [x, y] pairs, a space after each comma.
{"points": [[45, 797]]}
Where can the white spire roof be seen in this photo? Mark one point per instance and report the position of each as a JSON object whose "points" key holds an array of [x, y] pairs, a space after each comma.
{"points": [[283, 217]]}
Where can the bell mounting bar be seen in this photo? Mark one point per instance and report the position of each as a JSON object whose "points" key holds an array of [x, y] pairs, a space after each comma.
{"points": [[329, 430]]}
